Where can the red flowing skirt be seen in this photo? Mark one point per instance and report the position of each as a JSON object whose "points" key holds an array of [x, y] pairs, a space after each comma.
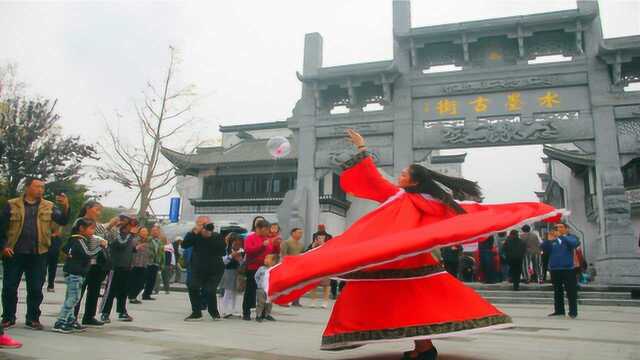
{"points": [[400, 309]]}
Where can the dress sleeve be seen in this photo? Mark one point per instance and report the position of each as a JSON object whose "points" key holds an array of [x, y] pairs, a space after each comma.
{"points": [[361, 178]]}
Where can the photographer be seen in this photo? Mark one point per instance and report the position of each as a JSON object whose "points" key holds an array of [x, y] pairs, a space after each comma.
{"points": [[207, 267], [123, 245]]}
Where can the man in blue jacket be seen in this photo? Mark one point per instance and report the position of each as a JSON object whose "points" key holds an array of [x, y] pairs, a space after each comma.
{"points": [[560, 246]]}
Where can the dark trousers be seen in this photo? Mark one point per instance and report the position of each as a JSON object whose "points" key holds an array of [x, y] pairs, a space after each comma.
{"points": [[117, 287], [249, 299], [136, 282], [91, 287], [336, 287], [151, 274], [200, 281], [486, 265], [52, 262], [33, 267], [545, 266], [565, 280], [452, 268], [515, 271]]}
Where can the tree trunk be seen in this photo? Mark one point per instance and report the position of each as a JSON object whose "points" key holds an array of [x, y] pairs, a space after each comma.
{"points": [[144, 204]]}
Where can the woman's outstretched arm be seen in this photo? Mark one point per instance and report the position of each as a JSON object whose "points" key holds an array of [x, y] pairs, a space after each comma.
{"points": [[361, 177]]}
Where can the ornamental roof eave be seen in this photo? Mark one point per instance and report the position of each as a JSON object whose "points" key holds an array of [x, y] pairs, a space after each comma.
{"points": [[251, 127], [572, 157], [448, 159], [625, 44], [242, 154], [507, 23], [354, 71]]}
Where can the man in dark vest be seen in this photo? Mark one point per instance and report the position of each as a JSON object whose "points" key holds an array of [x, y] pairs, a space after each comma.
{"points": [[25, 232]]}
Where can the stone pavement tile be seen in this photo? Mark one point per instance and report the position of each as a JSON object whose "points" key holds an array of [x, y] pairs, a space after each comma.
{"points": [[159, 333]]}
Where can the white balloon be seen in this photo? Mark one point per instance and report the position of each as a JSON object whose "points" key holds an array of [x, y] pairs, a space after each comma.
{"points": [[278, 146]]}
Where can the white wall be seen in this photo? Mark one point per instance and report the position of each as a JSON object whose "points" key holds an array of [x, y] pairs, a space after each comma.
{"points": [[189, 187], [575, 202]]}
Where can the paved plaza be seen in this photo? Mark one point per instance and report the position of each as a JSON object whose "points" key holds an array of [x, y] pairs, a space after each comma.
{"points": [[159, 333]]}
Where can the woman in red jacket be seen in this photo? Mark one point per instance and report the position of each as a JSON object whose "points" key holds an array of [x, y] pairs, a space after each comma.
{"points": [[397, 290], [257, 246]]}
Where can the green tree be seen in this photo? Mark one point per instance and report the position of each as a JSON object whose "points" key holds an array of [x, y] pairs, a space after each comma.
{"points": [[34, 146]]}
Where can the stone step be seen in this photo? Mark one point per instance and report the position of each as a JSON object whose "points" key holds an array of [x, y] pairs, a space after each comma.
{"points": [[548, 287], [549, 301], [549, 294]]}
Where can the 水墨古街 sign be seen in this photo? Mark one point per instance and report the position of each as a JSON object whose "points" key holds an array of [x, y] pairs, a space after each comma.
{"points": [[504, 118]]}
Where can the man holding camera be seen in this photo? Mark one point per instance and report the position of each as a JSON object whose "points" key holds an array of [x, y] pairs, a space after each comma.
{"points": [[25, 236], [207, 267]]}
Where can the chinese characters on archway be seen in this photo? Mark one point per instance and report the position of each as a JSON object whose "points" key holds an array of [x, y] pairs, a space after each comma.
{"points": [[513, 102]]}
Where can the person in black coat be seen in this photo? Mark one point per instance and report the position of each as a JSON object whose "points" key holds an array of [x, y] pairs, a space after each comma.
{"points": [[207, 267], [515, 249], [451, 259]]}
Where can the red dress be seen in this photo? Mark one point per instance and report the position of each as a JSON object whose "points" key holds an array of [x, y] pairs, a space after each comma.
{"points": [[397, 290]]}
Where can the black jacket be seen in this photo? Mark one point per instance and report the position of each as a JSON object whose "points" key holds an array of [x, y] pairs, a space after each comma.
{"points": [[514, 248], [207, 252], [122, 248], [78, 256]]}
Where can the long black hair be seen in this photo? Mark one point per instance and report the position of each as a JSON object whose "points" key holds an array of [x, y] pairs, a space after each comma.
{"points": [[427, 183]]}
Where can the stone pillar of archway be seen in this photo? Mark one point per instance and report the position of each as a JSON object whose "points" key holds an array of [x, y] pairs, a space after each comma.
{"points": [[617, 261]]}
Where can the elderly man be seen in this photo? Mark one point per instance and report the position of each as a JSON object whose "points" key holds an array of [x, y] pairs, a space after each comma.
{"points": [[25, 232], [207, 267]]}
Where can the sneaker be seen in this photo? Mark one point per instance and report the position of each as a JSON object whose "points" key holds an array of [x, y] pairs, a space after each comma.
{"points": [[269, 318], [555, 314], [77, 327], [8, 323], [228, 316], [62, 327], [573, 316], [216, 318], [296, 304], [135, 301], [51, 290], [148, 298], [259, 319], [34, 325], [105, 319], [92, 322], [193, 317], [125, 317], [9, 343], [246, 317], [313, 304], [325, 305]]}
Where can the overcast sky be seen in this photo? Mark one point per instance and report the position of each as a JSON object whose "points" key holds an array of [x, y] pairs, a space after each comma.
{"points": [[96, 57]]}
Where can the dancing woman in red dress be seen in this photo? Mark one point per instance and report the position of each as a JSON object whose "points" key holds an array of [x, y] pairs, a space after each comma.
{"points": [[397, 288]]}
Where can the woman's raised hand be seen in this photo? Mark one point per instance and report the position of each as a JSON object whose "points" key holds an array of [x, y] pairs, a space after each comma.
{"points": [[356, 139]]}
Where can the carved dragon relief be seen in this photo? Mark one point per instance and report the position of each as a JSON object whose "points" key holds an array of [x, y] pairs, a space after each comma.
{"points": [[500, 132]]}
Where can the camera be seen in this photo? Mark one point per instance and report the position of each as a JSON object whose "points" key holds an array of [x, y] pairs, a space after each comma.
{"points": [[209, 227]]}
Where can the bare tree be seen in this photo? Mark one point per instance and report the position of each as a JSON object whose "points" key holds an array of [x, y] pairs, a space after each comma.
{"points": [[163, 113]]}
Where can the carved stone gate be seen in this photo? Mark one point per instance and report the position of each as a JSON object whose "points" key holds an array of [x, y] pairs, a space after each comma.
{"points": [[496, 98]]}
